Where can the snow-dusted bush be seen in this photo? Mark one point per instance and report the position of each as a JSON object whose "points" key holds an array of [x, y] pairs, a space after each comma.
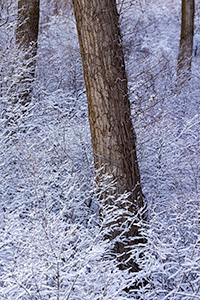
{"points": [[51, 236]]}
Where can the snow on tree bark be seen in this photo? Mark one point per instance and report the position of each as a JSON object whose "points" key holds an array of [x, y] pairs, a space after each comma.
{"points": [[112, 133]]}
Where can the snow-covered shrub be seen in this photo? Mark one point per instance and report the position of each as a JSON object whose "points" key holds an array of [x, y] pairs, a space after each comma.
{"points": [[51, 236]]}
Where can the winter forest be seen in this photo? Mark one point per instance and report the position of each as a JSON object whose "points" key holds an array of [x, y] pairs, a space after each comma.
{"points": [[99, 149]]}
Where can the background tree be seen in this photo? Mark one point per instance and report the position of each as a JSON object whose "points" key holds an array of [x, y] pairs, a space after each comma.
{"points": [[112, 133], [186, 40], [51, 241], [26, 41]]}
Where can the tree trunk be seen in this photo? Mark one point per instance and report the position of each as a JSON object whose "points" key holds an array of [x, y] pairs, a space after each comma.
{"points": [[26, 41], [112, 133], [186, 41]]}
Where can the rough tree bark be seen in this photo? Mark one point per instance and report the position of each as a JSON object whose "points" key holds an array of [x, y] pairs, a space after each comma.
{"points": [[26, 41], [186, 41], [112, 133]]}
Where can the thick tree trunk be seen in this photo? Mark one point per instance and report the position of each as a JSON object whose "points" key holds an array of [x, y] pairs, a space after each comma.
{"points": [[186, 41], [26, 41], [112, 133]]}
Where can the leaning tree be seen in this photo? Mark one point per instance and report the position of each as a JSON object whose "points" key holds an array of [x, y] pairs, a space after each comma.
{"points": [[112, 134]]}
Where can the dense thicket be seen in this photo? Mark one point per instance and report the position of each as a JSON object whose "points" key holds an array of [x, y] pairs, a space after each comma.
{"points": [[51, 238]]}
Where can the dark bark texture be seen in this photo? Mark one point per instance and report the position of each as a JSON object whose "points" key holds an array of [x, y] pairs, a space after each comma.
{"points": [[26, 41], [112, 133], [186, 41]]}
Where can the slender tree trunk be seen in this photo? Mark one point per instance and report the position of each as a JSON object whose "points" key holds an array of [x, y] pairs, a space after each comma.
{"points": [[26, 41], [186, 41], [112, 133]]}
